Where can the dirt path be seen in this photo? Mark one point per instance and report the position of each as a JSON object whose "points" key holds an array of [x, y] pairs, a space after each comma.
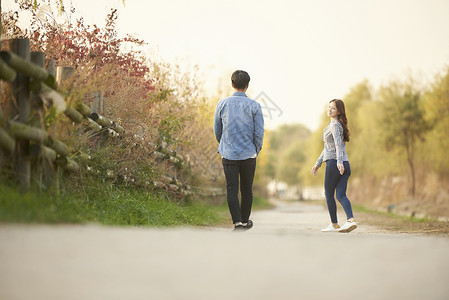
{"points": [[284, 256]]}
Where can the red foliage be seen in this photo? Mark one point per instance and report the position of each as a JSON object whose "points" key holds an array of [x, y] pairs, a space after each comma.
{"points": [[81, 45]]}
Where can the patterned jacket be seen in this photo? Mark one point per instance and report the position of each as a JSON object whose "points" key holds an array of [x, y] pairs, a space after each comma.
{"points": [[334, 145]]}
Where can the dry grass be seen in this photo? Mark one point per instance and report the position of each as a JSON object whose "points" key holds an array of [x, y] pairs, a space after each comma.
{"points": [[396, 223], [403, 224]]}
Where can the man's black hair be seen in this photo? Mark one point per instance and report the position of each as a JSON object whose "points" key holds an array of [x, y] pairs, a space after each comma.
{"points": [[240, 79]]}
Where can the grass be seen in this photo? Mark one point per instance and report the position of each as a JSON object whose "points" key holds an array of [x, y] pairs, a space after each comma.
{"points": [[107, 205], [261, 203]]}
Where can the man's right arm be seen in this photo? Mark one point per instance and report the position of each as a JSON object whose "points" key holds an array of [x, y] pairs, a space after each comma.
{"points": [[218, 126]]}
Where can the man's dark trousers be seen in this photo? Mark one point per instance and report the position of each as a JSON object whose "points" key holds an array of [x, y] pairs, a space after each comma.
{"points": [[244, 169]]}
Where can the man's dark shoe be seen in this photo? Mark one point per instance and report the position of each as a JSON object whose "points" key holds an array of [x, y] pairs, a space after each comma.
{"points": [[238, 228], [248, 225]]}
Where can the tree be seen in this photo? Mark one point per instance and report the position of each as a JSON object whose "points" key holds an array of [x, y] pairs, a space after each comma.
{"points": [[437, 115], [312, 148], [285, 134], [402, 121], [283, 142], [356, 101], [290, 162]]}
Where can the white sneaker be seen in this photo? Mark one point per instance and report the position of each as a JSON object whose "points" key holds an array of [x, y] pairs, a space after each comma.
{"points": [[330, 228], [348, 226]]}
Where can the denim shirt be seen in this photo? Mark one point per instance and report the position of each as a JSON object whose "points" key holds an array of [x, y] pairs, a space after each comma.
{"points": [[238, 127], [334, 145]]}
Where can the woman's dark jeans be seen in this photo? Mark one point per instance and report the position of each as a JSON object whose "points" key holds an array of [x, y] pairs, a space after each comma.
{"points": [[334, 182], [245, 169]]}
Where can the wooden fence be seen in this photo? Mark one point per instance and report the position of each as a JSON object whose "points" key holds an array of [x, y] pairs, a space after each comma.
{"points": [[30, 84]]}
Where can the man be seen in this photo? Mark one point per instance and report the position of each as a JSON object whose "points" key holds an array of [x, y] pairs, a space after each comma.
{"points": [[238, 127]]}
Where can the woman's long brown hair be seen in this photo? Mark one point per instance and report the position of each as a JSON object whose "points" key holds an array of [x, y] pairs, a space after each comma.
{"points": [[342, 117]]}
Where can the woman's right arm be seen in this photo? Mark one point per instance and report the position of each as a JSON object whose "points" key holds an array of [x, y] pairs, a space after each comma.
{"points": [[318, 163], [320, 159]]}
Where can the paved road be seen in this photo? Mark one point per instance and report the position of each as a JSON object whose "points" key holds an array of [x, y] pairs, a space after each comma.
{"points": [[284, 256]]}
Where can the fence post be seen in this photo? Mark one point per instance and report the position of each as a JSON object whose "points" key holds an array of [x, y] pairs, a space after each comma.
{"points": [[51, 69], [45, 173], [63, 74], [21, 47], [97, 103], [37, 58]]}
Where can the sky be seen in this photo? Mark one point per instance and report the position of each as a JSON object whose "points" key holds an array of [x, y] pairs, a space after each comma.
{"points": [[299, 54]]}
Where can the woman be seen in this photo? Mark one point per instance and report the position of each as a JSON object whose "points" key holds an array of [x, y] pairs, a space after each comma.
{"points": [[338, 170]]}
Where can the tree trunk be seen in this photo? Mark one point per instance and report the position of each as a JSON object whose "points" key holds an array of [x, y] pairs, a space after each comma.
{"points": [[410, 160]]}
